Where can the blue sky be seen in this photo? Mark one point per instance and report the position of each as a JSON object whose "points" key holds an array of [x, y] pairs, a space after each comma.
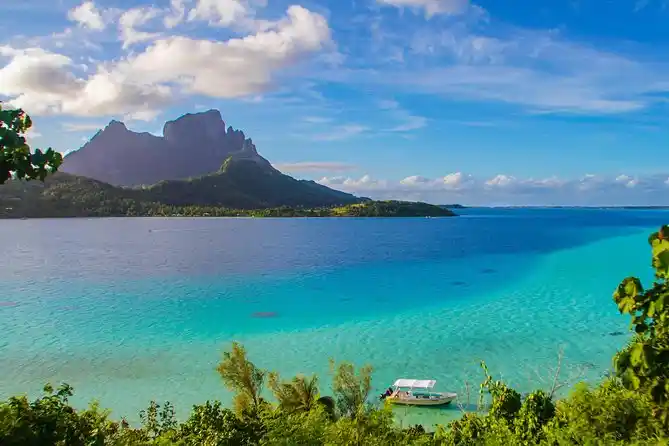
{"points": [[487, 102]]}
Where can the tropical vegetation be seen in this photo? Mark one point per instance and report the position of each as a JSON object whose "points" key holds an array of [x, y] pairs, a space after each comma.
{"points": [[16, 158]]}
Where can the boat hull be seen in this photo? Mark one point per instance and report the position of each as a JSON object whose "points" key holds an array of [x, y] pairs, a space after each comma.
{"points": [[420, 401]]}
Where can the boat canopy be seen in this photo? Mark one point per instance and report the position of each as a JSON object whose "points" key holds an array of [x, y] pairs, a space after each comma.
{"points": [[415, 383]]}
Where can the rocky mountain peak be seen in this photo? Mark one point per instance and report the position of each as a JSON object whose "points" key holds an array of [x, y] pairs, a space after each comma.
{"points": [[194, 144]]}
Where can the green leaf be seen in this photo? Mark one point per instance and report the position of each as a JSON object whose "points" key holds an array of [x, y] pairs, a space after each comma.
{"points": [[660, 250], [637, 355]]}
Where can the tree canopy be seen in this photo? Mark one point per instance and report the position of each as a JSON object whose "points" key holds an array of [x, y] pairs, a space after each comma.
{"points": [[16, 158]]}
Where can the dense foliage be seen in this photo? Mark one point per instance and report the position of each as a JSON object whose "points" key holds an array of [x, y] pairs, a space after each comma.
{"points": [[63, 195], [627, 409], [16, 158], [643, 365]]}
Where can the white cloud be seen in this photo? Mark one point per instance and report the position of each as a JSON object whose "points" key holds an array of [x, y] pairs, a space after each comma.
{"points": [[453, 182], [140, 85], [457, 181], [314, 166], [235, 14], [627, 181], [415, 180], [177, 13], [431, 7], [501, 181], [131, 19], [87, 15], [365, 183], [234, 68], [219, 12], [44, 83], [588, 190]]}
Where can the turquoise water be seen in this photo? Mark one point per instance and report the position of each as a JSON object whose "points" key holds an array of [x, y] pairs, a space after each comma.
{"points": [[129, 310]]}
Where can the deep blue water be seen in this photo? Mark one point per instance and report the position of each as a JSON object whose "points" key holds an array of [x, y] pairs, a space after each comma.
{"points": [[120, 307]]}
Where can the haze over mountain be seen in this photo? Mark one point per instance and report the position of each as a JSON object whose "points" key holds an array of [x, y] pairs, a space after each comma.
{"points": [[192, 145]]}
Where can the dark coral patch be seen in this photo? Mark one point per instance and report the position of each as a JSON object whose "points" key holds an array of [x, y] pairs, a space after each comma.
{"points": [[265, 314]]}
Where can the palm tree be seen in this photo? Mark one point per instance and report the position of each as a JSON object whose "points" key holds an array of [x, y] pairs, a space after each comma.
{"points": [[351, 389], [242, 377], [298, 395]]}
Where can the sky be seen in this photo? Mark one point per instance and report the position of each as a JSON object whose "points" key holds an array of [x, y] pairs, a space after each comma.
{"points": [[488, 102]]}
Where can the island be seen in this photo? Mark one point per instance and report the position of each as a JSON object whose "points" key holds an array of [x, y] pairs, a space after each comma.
{"points": [[65, 195], [197, 168]]}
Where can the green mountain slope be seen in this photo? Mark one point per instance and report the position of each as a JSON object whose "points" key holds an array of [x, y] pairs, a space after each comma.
{"points": [[244, 184]]}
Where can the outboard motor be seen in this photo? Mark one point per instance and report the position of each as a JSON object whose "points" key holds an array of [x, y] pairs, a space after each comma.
{"points": [[386, 394]]}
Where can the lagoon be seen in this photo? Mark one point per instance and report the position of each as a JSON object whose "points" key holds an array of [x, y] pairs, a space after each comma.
{"points": [[132, 309]]}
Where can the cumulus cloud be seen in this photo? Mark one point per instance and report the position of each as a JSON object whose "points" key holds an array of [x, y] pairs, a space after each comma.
{"points": [[140, 85], [415, 180], [431, 7], [87, 15], [220, 12], [588, 190], [365, 183], [234, 68], [45, 83], [456, 181]]}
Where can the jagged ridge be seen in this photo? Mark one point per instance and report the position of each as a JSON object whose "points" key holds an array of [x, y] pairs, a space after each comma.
{"points": [[192, 145]]}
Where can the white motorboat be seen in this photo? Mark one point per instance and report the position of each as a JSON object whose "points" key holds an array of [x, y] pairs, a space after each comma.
{"points": [[417, 392]]}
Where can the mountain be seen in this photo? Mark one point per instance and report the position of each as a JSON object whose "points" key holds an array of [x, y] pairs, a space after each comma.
{"points": [[245, 184], [191, 146]]}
